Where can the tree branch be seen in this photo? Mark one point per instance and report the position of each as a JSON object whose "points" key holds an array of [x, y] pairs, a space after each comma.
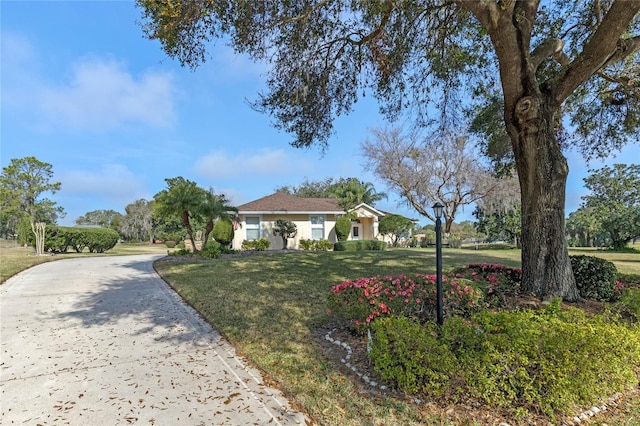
{"points": [[551, 48], [604, 47]]}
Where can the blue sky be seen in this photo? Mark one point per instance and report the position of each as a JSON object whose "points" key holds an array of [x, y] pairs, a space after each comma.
{"points": [[83, 90]]}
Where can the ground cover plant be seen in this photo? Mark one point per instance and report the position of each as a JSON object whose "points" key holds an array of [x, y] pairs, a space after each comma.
{"points": [[273, 308]]}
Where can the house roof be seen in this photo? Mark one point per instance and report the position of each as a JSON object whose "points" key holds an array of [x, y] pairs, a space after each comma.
{"points": [[281, 202], [373, 210]]}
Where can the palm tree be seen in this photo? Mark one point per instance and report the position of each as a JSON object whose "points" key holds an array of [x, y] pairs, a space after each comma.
{"points": [[182, 197], [352, 192], [214, 206]]}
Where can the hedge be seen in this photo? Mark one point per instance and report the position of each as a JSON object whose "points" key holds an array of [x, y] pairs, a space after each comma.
{"points": [[58, 239], [359, 245]]}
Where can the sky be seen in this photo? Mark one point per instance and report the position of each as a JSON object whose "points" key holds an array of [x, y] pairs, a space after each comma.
{"points": [[83, 90]]}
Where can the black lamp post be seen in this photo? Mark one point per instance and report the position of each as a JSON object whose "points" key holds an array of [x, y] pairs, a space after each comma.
{"points": [[437, 210]]}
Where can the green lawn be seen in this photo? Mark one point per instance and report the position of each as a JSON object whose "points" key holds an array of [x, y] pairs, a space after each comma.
{"points": [[270, 306]]}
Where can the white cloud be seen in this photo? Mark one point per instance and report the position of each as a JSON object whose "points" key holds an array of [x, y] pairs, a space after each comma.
{"points": [[94, 94], [101, 94], [113, 182], [266, 163]]}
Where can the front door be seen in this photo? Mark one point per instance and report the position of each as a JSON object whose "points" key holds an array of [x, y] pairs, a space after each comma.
{"points": [[356, 231]]}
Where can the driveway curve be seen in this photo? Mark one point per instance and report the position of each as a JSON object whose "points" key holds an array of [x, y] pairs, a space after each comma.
{"points": [[105, 341]]}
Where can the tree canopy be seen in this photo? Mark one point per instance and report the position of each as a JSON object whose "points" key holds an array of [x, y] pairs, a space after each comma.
{"points": [[395, 226], [615, 201], [349, 191], [425, 170], [562, 73], [22, 186], [192, 203], [104, 218]]}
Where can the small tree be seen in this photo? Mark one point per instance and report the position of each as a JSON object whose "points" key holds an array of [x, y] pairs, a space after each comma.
{"points": [[395, 226], [343, 228], [223, 231], [286, 229], [615, 199]]}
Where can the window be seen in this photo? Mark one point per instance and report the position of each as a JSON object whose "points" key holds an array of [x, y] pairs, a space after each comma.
{"points": [[317, 227], [356, 231], [252, 227]]}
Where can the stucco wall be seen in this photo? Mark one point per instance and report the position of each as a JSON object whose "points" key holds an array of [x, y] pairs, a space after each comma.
{"points": [[267, 222]]}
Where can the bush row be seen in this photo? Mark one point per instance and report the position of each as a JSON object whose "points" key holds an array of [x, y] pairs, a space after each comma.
{"points": [[260, 244], [358, 245], [58, 239], [316, 245]]}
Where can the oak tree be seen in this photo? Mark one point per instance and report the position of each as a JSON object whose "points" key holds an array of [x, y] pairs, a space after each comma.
{"points": [[547, 63]]}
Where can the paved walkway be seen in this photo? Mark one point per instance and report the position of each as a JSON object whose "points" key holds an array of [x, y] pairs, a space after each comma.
{"points": [[104, 341]]}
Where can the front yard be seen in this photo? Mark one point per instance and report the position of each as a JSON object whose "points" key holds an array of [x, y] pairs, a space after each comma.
{"points": [[272, 307]]}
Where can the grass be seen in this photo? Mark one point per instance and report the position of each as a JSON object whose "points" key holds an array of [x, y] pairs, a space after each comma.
{"points": [[271, 306], [14, 258]]}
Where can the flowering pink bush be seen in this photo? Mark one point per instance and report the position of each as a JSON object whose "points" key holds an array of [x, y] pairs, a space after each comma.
{"points": [[414, 296], [363, 300]]}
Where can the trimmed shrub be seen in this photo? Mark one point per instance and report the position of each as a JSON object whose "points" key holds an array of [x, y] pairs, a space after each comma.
{"points": [[223, 231], [100, 240], [595, 277], [316, 245], [212, 250], [257, 245], [343, 228], [359, 245], [550, 361], [58, 239], [170, 244]]}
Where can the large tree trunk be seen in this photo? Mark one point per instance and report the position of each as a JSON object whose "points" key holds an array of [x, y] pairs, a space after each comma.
{"points": [[542, 170]]}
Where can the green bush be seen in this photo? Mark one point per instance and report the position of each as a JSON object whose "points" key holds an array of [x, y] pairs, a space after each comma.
{"points": [[550, 361], [359, 245], [170, 244], [343, 228], [181, 252], [595, 277], [57, 239], [223, 231], [258, 245], [316, 245], [212, 250]]}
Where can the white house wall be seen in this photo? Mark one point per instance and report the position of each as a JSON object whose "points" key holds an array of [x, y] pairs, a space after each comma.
{"points": [[267, 223]]}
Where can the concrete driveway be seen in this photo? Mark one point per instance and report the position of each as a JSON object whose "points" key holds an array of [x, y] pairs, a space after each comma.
{"points": [[104, 341]]}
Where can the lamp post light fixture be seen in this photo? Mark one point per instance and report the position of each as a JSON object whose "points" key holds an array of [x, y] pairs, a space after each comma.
{"points": [[438, 210]]}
